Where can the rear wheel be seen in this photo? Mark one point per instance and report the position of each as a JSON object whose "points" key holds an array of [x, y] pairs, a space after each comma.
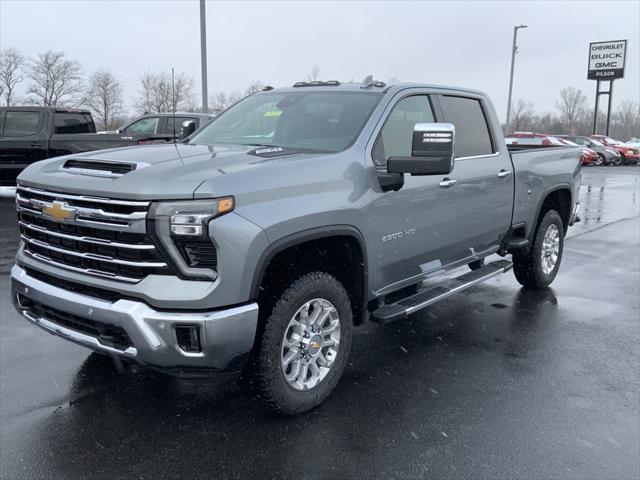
{"points": [[304, 346], [539, 266]]}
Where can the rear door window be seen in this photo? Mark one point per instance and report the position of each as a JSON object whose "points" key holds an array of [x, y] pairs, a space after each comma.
{"points": [[144, 125], [473, 136], [21, 123], [179, 122], [73, 122]]}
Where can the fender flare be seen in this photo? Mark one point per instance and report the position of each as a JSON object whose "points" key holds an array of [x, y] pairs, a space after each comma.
{"points": [[297, 238], [543, 198]]}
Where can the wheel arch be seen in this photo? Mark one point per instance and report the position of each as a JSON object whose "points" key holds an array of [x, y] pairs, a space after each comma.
{"points": [[560, 197], [358, 284]]}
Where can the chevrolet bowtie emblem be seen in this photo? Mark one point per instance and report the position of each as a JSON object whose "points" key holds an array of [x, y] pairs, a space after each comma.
{"points": [[58, 211]]}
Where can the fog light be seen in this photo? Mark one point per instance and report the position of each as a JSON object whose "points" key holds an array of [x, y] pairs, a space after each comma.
{"points": [[189, 338]]}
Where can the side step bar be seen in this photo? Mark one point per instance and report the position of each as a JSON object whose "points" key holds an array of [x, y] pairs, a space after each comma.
{"points": [[405, 307]]}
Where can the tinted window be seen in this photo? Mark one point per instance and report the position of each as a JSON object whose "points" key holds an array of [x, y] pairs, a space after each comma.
{"points": [[73, 123], [472, 132], [303, 120], [21, 124], [179, 122], [396, 136], [144, 125]]}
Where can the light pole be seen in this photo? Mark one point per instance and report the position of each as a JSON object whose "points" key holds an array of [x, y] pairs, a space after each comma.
{"points": [[513, 61], [203, 55]]}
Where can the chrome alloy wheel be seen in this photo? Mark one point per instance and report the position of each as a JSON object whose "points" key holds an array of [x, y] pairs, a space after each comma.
{"points": [[550, 249], [310, 344]]}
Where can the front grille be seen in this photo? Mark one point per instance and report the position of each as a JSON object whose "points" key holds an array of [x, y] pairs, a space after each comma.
{"points": [[93, 235], [110, 335]]}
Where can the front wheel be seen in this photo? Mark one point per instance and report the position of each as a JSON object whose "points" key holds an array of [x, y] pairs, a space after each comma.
{"points": [[617, 161], [304, 346], [539, 266], [601, 160]]}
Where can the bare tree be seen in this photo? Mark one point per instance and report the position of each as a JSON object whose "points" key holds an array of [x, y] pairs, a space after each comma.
{"points": [[55, 80], [11, 73], [627, 120], [159, 94], [572, 105], [255, 86], [221, 101], [314, 75], [104, 97], [522, 116]]}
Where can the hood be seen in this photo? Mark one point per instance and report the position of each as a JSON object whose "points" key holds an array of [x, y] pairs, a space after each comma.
{"points": [[161, 171]]}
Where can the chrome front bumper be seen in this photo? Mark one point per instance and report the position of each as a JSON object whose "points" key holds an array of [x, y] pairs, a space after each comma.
{"points": [[226, 336]]}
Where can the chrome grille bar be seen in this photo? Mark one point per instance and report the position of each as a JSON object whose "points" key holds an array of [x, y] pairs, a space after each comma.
{"points": [[93, 256], [93, 240], [36, 205], [83, 198], [88, 271]]}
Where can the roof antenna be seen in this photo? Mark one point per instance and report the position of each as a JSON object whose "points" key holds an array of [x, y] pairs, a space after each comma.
{"points": [[173, 101]]}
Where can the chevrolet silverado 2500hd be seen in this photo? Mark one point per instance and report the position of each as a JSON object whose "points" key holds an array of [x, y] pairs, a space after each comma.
{"points": [[298, 213]]}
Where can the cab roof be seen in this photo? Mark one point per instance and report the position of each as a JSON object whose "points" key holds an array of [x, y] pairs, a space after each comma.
{"points": [[373, 86]]}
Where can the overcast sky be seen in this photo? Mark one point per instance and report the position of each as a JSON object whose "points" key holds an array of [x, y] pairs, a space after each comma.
{"points": [[460, 43]]}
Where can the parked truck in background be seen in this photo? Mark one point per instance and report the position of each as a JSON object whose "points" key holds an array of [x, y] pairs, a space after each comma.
{"points": [[300, 213], [30, 134]]}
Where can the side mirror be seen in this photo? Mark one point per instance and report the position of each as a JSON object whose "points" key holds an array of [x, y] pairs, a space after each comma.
{"points": [[188, 127], [432, 151]]}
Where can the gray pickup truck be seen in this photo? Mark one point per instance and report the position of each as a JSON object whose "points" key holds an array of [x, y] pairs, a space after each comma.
{"points": [[260, 242]]}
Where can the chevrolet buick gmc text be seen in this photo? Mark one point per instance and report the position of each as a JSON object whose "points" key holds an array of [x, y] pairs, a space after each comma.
{"points": [[261, 241]]}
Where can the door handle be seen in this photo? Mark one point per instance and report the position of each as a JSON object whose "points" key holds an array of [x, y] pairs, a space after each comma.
{"points": [[35, 144], [504, 173], [447, 182]]}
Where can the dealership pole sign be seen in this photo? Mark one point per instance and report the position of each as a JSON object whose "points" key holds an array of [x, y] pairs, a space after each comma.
{"points": [[606, 64], [606, 60]]}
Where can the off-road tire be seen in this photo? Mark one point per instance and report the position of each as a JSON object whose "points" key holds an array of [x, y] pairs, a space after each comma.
{"points": [[528, 267], [263, 375]]}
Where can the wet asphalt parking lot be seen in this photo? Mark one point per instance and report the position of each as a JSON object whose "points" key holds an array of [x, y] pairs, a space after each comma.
{"points": [[498, 382]]}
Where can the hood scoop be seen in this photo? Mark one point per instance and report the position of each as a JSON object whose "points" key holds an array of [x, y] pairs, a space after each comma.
{"points": [[100, 168]]}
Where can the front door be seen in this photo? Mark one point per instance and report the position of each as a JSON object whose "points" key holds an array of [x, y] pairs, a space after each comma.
{"points": [[415, 229]]}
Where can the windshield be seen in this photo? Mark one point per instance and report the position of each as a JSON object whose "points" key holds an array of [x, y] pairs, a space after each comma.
{"points": [[313, 121], [596, 142], [611, 141]]}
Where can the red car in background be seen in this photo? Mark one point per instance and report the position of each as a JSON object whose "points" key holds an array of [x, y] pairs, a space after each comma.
{"points": [[587, 155], [628, 154]]}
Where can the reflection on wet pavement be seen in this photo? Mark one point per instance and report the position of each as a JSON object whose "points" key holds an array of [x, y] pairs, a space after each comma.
{"points": [[608, 194]]}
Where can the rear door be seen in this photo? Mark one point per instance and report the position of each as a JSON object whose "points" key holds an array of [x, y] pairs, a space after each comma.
{"points": [[484, 173]]}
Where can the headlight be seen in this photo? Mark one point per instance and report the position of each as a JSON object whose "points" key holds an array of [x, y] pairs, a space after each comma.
{"points": [[181, 230]]}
